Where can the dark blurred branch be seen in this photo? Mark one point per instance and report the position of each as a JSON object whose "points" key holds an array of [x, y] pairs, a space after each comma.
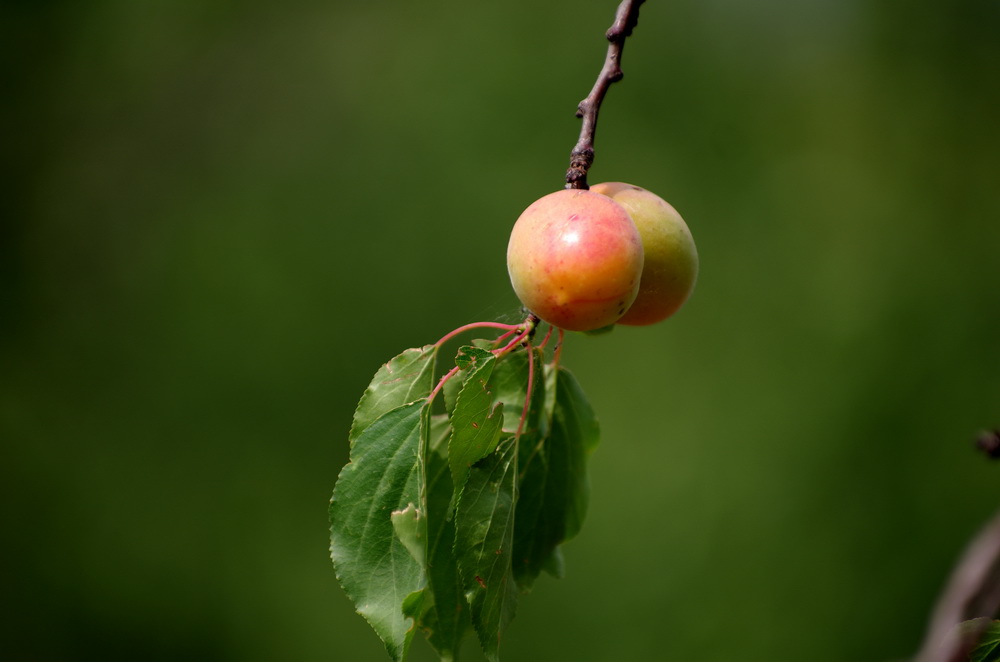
{"points": [[973, 592], [989, 443], [582, 156]]}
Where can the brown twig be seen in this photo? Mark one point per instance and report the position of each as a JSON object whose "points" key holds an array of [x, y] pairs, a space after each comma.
{"points": [[582, 156], [973, 592]]}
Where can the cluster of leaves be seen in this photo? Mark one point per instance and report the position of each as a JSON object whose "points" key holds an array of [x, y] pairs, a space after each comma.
{"points": [[445, 514]]}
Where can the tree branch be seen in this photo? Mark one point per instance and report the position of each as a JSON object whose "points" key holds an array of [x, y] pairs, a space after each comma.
{"points": [[973, 591], [989, 443], [971, 598], [582, 156]]}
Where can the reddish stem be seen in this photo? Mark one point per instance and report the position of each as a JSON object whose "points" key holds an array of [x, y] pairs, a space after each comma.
{"points": [[513, 343], [477, 325], [448, 375], [545, 340], [503, 337], [527, 397], [558, 350]]}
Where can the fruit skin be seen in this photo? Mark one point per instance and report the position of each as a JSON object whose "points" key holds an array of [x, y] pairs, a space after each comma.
{"points": [[575, 258], [671, 259]]}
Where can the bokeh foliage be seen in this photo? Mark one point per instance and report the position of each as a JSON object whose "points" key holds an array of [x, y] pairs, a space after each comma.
{"points": [[217, 219]]}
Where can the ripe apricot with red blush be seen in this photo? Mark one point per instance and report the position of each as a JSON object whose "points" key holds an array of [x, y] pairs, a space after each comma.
{"points": [[575, 259], [671, 259]]}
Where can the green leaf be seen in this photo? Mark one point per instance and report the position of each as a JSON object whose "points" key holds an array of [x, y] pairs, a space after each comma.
{"points": [[446, 617], [553, 495], [373, 564], [411, 529], [469, 356], [484, 523], [988, 648], [575, 410], [510, 385], [476, 422], [406, 378], [555, 565]]}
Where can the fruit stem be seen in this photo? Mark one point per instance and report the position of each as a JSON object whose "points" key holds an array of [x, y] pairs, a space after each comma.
{"points": [[582, 156]]}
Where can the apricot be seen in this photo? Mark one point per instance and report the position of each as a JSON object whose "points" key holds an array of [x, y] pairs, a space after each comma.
{"points": [[671, 259], [575, 258]]}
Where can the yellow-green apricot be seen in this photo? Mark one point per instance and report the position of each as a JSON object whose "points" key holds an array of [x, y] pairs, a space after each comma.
{"points": [[671, 259], [575, 259]]}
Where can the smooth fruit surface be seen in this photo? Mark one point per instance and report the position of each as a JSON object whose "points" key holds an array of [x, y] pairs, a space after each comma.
{"points": [[671, 259], [575, 258]]}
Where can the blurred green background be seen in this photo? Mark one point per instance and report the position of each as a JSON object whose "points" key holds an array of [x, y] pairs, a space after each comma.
{"points": [[219, 219]]}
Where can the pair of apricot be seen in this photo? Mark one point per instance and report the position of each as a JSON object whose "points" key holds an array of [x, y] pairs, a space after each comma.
{"points": [[615, 254]]}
